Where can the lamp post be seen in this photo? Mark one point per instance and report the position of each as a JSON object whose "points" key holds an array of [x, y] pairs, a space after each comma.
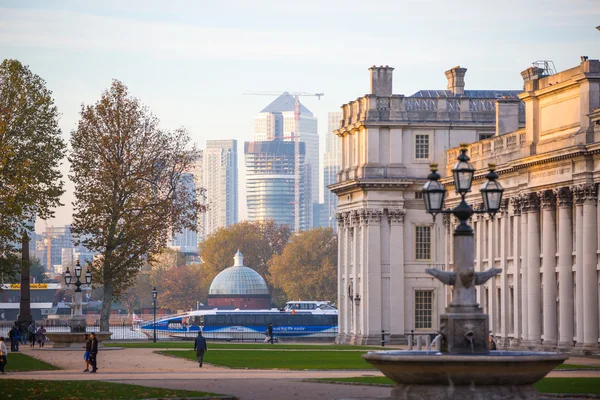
{"points": [[154, 295], [78, 323], [463, 317]]}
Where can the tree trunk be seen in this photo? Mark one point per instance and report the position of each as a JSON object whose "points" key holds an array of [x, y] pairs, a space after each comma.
{"points": [[25, 303], [106, 306]]}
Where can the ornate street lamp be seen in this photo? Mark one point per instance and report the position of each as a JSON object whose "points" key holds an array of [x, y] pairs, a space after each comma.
{"points": [[463, 172], [154, 296], [491, 191], [78, 323], [434, 192]]}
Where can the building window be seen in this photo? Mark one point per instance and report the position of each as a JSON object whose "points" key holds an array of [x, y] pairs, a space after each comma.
{"points": [[422, 147], [423, 309], [418, 195], [423, 243], [485, 135]]}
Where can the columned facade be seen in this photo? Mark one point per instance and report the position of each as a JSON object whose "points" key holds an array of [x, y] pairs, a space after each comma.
{"points": [[547, 240]]}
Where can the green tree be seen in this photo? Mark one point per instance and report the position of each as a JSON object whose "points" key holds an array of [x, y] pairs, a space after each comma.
{"points": [[37, 271], [258, 242], [307, 269], [132, 188], [31, 148]]}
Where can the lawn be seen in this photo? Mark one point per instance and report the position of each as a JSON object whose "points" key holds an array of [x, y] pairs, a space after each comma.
{"points": [[574, 366], [20, 362], [276, 359], [70, 390], [238, 346], [546, 385]]}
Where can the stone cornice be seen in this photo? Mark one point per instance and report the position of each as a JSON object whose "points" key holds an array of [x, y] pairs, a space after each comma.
{"points": [[370, 184], [400, 123]]}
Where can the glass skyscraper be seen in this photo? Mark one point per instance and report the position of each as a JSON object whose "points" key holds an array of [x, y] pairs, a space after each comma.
{"points": [[331, 165], [270, 183]]}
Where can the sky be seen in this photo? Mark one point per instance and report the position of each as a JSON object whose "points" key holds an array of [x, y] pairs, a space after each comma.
{"points": [[190, 61]]}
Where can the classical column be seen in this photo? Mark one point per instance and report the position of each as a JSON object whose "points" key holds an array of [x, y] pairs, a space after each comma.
{"points": [[478, 223], [564, 201], [504, 305], [372, 278], [524, 268], [342, 277], [590, 273], [397, 290], [363, 304], [356, 244], [491, 284], [579, 196], [533, 271], [517, 268], [548, 202]]}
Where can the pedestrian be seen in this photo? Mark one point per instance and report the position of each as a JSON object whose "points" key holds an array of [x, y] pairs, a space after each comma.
{"points": [[270, 332], [3, 353], [24, 333], [93, 353], [12, 335], [31, 333], [200, 347], [17, 337], [492, 340], [40, 336], [86, 356]]}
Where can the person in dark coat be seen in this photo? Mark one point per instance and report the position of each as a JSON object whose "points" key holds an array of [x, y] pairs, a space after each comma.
{"points": [[86, 355], [93, 353], [270, 332], [200, 347]]}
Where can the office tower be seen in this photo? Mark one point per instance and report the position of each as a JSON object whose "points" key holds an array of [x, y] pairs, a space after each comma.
{"points": [[277, 120], [186, 241], [219, 178], [332, 160], [270, 183], [53, 240]]}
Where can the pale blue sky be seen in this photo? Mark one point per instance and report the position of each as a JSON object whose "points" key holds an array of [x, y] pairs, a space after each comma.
{"points": [[191, 60]]}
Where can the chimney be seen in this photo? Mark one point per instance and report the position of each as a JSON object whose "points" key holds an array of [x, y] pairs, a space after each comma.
{"points": [[381, 80], [456, 80], [507, 115], [530, 78]]}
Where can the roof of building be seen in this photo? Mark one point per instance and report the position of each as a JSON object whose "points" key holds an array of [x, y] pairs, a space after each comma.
{"points": [[475, 94], [238, 280], [284, 103]]}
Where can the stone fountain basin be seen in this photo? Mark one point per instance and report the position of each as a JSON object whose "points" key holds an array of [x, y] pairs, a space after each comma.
{"points": [[74, 340], [435, 368]]}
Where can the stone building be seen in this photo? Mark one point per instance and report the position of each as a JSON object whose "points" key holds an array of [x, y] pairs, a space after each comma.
{"points": [[545, 238], [240, 287], [386, 240]]}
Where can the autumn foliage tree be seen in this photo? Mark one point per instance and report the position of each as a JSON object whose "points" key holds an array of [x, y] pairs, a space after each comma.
{"points": [[307, 269], [131, 188], [31, 148], [180, 287], [258, 242]]}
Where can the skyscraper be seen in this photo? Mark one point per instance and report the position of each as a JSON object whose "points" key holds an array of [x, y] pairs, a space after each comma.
{"points": [[270, 183], [218, 175], [332, 161], [186, 241], [277, 120]]}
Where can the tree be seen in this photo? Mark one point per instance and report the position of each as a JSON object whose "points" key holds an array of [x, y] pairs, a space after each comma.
{"points": [[258, 242], [307, 269], [37, 271], [132, 188], [31, 148], [180, 288]]}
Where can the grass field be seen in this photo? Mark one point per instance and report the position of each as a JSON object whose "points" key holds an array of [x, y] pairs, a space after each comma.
{"points": [[574, 366], [238, 346], [277, 359], [28, 389], [20, 362], [546, 385]]}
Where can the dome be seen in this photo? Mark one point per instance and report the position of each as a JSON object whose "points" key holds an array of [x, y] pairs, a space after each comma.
{"points": [[238, 280]]}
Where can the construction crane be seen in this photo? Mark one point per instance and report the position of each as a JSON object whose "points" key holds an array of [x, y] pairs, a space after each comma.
{"points": [[296, 137]]}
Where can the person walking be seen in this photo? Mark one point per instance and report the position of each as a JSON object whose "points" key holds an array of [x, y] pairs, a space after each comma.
{"points": [[12, 335], [270, 332], [200, 347], [31, 333], [93, 353], [86, 355], [23, 333], [41, 336], [3, 353]]}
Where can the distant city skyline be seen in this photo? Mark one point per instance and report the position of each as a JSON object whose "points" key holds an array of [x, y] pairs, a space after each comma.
{"points": [[189, 62]]}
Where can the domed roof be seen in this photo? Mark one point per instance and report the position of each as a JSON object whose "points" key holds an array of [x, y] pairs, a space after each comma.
{"points": [[238, 280]]}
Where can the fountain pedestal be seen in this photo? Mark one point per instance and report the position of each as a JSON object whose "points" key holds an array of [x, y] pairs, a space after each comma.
{"points": [[464, 332]]}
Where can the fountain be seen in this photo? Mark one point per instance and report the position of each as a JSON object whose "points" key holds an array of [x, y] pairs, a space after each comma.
{"points": [[464, 368], [78, 324]]}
